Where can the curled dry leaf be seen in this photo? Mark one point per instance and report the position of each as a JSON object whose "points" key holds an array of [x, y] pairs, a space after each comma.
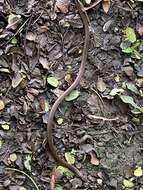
{"points": [[30, 36], [94, 159], [13, 21], [76, 183], [106, 5], [62, 6]]}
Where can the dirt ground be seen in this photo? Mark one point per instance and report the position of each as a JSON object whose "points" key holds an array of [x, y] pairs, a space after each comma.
{"points": [[44, 41]]}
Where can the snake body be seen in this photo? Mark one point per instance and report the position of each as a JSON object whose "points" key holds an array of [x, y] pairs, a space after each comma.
{"points": [[50, 124]]}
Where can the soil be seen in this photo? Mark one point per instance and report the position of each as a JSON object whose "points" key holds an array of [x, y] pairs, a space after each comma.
{"points": [[49, 42]]}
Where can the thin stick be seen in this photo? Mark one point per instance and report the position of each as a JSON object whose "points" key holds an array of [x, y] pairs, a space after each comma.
{"points": [[28, 176], [102, 118], [93, 5]]}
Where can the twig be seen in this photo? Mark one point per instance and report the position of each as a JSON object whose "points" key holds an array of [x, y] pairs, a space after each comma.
{"points": [[28, 176], [37, 18], [93, 5], [102, 118], [125, 9]]}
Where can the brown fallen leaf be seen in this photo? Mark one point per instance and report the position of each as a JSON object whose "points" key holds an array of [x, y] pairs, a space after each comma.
{"points": [[62, 6], [94, 159], [17, 79], [106, 5]]}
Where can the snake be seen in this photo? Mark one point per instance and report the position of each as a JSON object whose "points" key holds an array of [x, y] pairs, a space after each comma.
{"points": [[50, 124]]}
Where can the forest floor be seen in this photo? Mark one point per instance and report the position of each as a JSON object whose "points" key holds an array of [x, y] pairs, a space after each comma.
{"points": [[99, 128]]}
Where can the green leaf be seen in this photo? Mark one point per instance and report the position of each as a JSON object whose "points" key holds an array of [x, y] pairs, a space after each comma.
{"points": [[65, 171], [129, 100], [5, 125], [14, 41], [72, 96], [116, 91], [59, 120], [70, 157], [53, 81], [128, 50], [13, 157], [138, 172], [136, 120], [136, 111], [128, 183], [132, 87], [58, 187], [129, 34], [27, 162]]}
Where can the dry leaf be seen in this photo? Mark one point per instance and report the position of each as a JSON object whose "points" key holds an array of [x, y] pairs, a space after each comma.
{"points": [[17, 79], [94, 159], [106, 5], [62, 6], [2, 105], [101, 86]]}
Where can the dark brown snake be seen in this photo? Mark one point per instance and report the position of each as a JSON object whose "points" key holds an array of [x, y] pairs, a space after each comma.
{"points": [[50, 124]]}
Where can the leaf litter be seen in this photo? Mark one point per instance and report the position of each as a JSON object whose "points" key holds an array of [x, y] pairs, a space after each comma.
{"points": [[40, 57]]}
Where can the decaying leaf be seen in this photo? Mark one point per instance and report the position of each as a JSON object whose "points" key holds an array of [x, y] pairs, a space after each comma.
{"points": [[101, 86], [2, 105], [128, 70], [17, 79], [70, 157], [13, 21], [106, 5], [30, 36], [72, 96], [62, 6], [94, 159], [44, 62], [76, 183], [65, 171]]}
